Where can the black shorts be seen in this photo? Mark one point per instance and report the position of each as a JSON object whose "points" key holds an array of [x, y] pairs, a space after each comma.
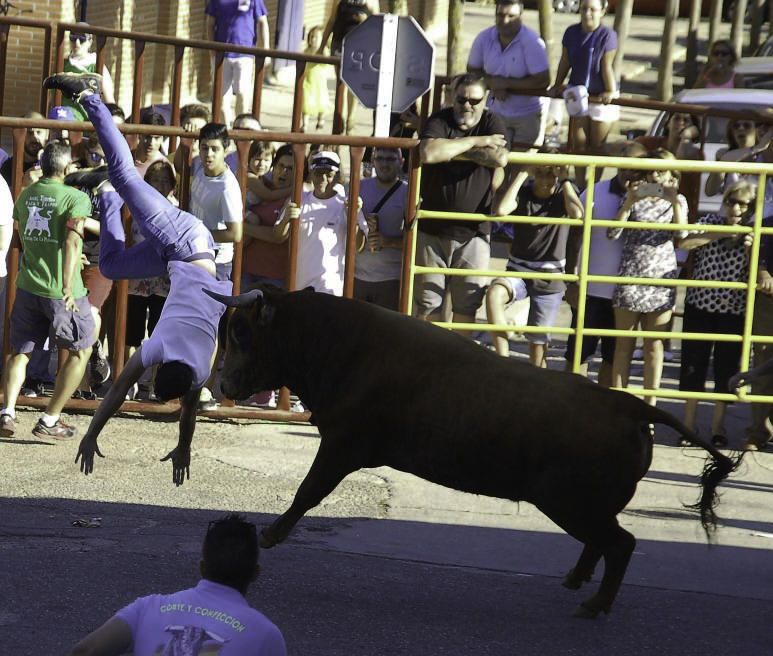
{"points": [[697, 354], [598, 314], [139, 311]]}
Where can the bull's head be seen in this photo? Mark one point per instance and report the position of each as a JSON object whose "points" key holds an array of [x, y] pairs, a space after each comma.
{"points": [[250, 359]]}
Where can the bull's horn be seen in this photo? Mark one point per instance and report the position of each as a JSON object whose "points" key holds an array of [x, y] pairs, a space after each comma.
{"points": [[240, 301]]}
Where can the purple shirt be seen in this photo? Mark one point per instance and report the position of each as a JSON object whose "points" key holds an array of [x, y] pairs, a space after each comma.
{"points": [[586, 50], [525, 55], [210, 618], [235, 21]]}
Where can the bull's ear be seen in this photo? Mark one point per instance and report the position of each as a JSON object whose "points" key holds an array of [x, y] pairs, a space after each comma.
{"points": [[249, 299]]}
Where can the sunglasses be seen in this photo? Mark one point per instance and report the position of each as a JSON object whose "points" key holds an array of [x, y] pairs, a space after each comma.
{"points": [[80, 38], [737, 201], [744, 125], [461, 100], [721, 53], [379, 158]]}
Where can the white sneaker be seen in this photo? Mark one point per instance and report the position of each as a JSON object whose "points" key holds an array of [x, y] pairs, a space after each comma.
{"points": [[297, 407]]}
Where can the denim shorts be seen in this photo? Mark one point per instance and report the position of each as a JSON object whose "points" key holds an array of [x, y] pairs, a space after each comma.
{"points": [[33, 317], [543, 307]]}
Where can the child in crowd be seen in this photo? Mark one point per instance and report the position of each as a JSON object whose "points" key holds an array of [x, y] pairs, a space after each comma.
{"points": [[316, 100], [535, 248], [322, 223]]}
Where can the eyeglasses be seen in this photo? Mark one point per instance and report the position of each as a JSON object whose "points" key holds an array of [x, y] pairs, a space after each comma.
{"points": [[80, 38], [736, 201], [461, 100]]}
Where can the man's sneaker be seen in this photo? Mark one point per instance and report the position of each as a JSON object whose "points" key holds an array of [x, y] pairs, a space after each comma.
{"points": [[32, 389], [7, 426], [207, 402], [73, 85], [87, 178], [99, 369], [59, 431]]}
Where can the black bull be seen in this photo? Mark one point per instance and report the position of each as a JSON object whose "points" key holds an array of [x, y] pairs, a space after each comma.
{"points": [[386, 389]]}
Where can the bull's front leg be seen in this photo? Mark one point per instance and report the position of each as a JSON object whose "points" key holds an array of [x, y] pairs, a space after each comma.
{"points": [[330, 467]]}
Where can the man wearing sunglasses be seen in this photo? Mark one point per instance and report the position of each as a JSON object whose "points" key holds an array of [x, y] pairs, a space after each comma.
{"points": [[461, 148], [513, 60], [82, 60]]}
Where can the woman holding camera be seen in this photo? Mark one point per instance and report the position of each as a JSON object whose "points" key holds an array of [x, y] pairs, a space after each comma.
{"points": [[647, 254], [718, 256]]}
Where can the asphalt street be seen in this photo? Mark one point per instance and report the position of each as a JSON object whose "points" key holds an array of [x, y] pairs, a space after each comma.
{"points": [[388, 564]]}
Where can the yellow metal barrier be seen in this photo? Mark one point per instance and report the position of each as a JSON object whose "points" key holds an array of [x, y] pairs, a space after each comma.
{"points": [[582, 278]]}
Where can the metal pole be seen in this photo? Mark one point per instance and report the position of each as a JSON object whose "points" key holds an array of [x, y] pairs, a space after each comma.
{"points": [[546, 30], [715, 20], [455, 62], [356, 154]]}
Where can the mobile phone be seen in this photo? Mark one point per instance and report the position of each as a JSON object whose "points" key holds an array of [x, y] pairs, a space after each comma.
{"points": [[646, 189]]}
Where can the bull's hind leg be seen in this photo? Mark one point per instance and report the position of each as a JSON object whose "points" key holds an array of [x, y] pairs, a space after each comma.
{"points": [[616, 544], [329, 468], [583, 570]]}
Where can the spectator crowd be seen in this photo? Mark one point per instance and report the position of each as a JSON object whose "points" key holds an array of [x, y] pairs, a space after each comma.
{"points": [[505, 102]]}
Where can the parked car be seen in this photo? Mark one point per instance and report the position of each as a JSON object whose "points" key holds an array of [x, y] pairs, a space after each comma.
{"points": [[757, 71], [733, 99], [766, 49]]}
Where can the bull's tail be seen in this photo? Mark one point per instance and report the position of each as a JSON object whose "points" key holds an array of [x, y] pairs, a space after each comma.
{"points": [[717, 468]]}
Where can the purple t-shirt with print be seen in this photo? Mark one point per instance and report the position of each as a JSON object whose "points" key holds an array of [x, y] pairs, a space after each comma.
{"points": [[585, 51], [235, 21]]}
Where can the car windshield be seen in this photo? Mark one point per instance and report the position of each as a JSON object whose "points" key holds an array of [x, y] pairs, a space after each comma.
{"points": [[715, 130]]}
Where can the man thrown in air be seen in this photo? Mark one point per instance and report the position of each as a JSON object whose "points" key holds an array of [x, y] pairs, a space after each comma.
{"points": [[177, 243]]}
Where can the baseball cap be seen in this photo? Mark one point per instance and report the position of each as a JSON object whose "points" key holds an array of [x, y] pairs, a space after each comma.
{"points": [[61, 113], [325, 159]]}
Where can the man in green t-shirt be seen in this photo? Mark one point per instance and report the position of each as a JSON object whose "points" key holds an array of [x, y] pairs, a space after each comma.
{"points": [[50, 296]]}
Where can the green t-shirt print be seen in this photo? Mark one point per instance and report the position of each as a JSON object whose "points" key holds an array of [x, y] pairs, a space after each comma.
{"points": [[42, 211]]}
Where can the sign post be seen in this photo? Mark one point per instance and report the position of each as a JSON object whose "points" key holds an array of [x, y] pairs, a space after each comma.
{"points": [[388, 62]]}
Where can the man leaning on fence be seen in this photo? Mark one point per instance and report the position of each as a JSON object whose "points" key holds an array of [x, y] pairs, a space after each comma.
{"points": [[461, 147], [49, 291], [513, 59]]}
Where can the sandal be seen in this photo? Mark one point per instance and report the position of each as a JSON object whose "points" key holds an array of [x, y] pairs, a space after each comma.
{"points": [[719, 440]]}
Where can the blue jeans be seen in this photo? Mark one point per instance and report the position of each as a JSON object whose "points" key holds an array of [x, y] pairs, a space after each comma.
{"points": [[170, 233]]}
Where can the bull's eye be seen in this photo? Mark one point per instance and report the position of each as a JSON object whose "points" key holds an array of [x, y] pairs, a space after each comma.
{"points": [[240, 333]]}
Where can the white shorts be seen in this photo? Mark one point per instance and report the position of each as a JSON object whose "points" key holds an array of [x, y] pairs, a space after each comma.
{"points": [[238, 74], [604, 113]]}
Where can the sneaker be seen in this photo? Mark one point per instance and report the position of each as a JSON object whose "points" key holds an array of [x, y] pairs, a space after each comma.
{"points": [[59, 431], [87, 178], [297, 407], [84, 395], [99, 371], [7, 426], [207, 402], [74, 84], [719, 440], [132, 393], [262, 400]]}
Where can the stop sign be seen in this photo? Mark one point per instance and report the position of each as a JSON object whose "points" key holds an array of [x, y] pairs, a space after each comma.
{"points": [[413, 55]]}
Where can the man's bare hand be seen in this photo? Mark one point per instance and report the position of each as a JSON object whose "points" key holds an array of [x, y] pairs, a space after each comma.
{"points": [[181, 464], [86, 450], [69, 300], [491, 141], [293, 211], [572, 294]]}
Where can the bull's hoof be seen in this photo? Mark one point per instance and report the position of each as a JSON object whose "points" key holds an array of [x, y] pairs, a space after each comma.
{"points": [[265, 541], [589, 610], [574, 581]]}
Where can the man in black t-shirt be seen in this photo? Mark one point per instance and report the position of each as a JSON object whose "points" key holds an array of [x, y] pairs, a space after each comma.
{"points": [[536, 248], [34, 140], [461, 147]]}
